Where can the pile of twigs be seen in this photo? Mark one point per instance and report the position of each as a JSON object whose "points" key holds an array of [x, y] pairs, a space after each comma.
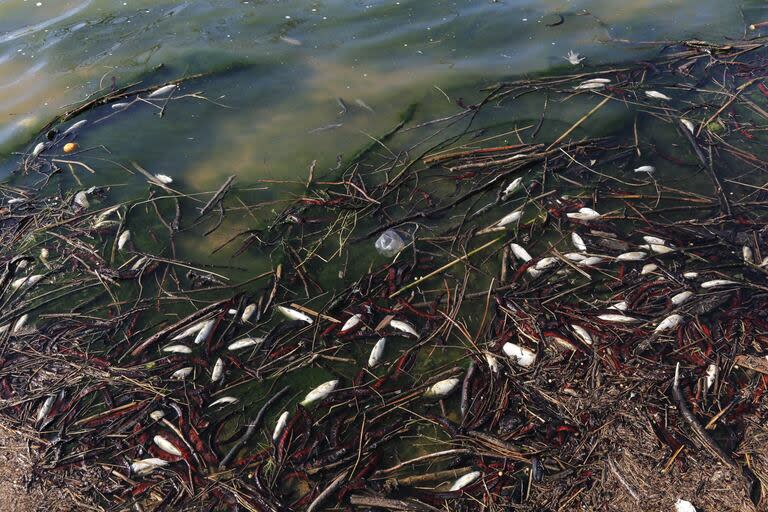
{"points": [[574, 323]]}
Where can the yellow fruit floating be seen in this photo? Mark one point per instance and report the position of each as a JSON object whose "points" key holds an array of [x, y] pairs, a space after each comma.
{"points": [[69, 147]]}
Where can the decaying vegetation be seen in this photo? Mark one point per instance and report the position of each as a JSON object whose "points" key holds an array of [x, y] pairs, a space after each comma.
{"points": [[591, 336]]}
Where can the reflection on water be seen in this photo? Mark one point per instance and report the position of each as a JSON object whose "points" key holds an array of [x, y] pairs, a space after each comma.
{"points": [[303, 56]]}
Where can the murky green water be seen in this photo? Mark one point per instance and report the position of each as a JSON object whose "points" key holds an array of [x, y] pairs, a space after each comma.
{"points": [[295, 59]]}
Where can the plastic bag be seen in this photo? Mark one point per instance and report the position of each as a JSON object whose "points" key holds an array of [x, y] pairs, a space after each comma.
{"points": [[390, 243]]}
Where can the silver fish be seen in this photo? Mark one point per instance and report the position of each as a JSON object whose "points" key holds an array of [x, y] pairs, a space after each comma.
{"points": [[282, 421], [295, 315], [166, 445], [520, 253], [443, 388], [465, 480], [668, 323], [320, 392], [177, 349], [621, 319], [578, 242], [218, 370], [225, 400], [74, 127], [377, 352], [715, 283], [404, 327], [146, 466], [245, 343], [522, 356], [205, 331], [632, 256], [166, 89]]}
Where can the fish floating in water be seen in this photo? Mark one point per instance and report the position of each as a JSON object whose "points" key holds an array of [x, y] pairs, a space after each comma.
{"points": [[320, 392], [522, 356], [292, 314], [443, 388], [377, 352], [657, 95], [465, 480], [163, 91]]}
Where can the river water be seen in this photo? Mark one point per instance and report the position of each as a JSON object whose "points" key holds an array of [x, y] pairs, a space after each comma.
{"points": [[294, 67]]}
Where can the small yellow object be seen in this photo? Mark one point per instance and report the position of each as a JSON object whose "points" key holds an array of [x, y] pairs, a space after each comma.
{"points": [[69, 147]]}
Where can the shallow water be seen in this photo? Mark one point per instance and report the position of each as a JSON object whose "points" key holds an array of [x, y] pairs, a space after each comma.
{"points": [[295, 60]]}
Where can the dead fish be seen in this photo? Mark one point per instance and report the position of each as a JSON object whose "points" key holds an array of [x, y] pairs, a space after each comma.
{"points": [[545, 263], [654, 240], [164, 179], [282, 421], [621, 319], [182, 374], [205, 331], [166, 89], [681, 297], [646, 168], [74, 127], [225, 400], [690, 275], [157, 415], [658, 248], [177, 349], [591, 261], [688, 125], [465, 480], [26, 282], [292, 314], [443, 388], [146, 466], [291, 41], [332, 126], [320, 392], [189, 331], [649, 268], [590, 85], [668, 323], [140, 263], [120, 106], [522, 356], [125, 237], [352, 322], [403, 327], [20, 323], [248, 312], [578, 242], [620, 306], [245, 343], [218, 370], [657, 95], [575, 256], [632, 256], [584, 214], [39, 148], [520, 253], [377, 352], [509, 219], [166, 445], [46, 408], [715, 283], [597, 81], [512, 187], [582, 334]]}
